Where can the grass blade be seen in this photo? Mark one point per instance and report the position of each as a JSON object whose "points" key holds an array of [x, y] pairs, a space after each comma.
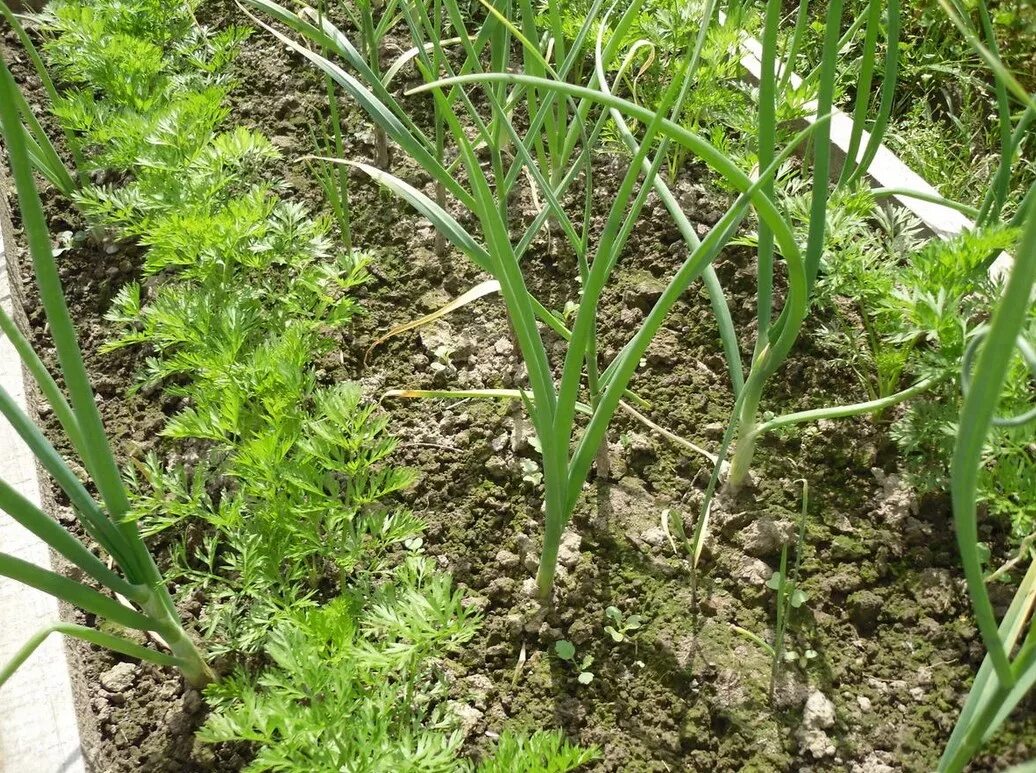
{"points": [[73, 592], [480, 290], [91, 635], [976, 418]]}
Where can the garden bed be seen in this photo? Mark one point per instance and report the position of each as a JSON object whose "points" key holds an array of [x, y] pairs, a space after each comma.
{"points": [[886, 625]]}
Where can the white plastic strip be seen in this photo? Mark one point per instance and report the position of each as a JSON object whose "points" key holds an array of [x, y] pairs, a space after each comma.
{"points": [[886, 170]]}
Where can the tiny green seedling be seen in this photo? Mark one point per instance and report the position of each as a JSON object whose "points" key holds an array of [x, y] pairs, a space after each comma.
{"points": [[531, 472], [790, 656], [789, 597], [623, 626], [566, 650], [786, 589], [444, 354]]}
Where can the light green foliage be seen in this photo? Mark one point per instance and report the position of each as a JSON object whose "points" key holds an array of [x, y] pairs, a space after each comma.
{"points": [[945, 107], [796, 596], [339, 676], [933, 313], [306, 505], [651, 53], [566, 651], [251, 291], [862, 244], [542, 752], [622, 627], [165, 496], [142, 71], [331, 698], [905, 309], [326, 470]]}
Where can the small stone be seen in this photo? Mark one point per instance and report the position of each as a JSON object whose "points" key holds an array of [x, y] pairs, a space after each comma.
{"points": [[514, 622], [480, 687], [534, 618], [644, 293], [119, 677], [192, 702], [818, 715], [505, 559], [617, 461], [765, 537], [496, 466], [580, 632], [864, 703], [936, 591], [468, 716], [549, 634], [873, 764], [917, 693], [916, 532], [477, 603], [752, 571], [655, 537], [726, 522], [568, 552], [819, 711], [177, 721], [637, 443], [433, 300]]}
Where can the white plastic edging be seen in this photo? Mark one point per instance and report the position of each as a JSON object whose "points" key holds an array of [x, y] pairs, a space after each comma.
{"points": [[886, 170], [39, 731]]}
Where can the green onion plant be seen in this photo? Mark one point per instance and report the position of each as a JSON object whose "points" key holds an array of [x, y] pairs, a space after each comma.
{"points": [[133, 594], [989, 216], [493, 155], [330, 140], [775, 337], [373, 20], [42, 152], [1009, 669], [789, 596]]}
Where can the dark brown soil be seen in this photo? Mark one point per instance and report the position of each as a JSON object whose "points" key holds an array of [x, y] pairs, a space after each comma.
{"points": [[886, 614]]}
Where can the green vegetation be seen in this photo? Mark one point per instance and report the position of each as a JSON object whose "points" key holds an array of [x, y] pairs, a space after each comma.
{"points": [[566, 651], [335, 629], [1006, 675], [544, 150]]}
